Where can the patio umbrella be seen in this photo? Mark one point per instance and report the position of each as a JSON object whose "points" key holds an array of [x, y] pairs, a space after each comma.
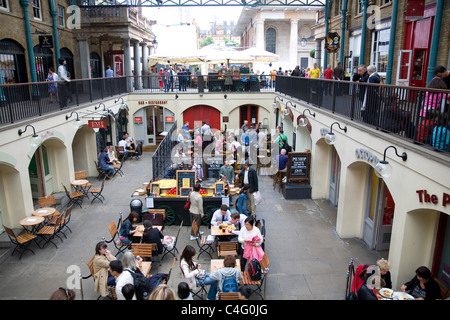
{"points": [[260, 55]]}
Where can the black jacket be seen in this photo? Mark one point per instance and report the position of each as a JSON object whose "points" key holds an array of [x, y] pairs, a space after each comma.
{"points": [[432, 289], [252, 179], [154, 236]]}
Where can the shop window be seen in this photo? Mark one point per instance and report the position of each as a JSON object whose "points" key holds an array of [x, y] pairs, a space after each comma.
{"points": [[43, 58], [95, 65], [4, 5], [380, 49], [37, 9], [12, 62], [271, 40]]}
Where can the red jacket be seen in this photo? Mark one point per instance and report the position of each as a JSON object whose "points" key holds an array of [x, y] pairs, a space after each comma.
{"points": [[328, 73]]}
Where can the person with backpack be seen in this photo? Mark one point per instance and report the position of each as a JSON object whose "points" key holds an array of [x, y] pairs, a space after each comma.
{"points": [[133, 275], [246, 237], [228, 277], [122, 278]]}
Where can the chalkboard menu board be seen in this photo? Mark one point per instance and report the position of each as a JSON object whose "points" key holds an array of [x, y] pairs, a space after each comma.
{"points": [[212, 165], [185, 179], [298, 166]]}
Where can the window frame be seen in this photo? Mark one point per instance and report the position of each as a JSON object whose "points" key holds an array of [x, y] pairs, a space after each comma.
{"points": [[61, 18], [36, 6], [375, 52], [5, 5]]}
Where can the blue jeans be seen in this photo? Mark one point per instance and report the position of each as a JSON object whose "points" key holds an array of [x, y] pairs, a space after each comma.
{"points": [[109, 170], [212, 289]]}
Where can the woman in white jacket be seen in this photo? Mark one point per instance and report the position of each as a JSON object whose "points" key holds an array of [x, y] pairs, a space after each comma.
{"points": [[190, 269], [246, 234]]}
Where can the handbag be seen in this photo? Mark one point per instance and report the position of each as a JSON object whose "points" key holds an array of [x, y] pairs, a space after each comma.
{"points": [[187, 205]]}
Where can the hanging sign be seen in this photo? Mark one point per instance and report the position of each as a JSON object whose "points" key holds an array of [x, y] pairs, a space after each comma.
{"points": [[46, 41], [138, 120], [332, 42], [99, 124]]}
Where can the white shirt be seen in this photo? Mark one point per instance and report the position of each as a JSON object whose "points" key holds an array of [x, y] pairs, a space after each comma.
{"points": [[124, 278], [246, 176], [217, 217], [123, 143], [62, 73], [241, 224]]}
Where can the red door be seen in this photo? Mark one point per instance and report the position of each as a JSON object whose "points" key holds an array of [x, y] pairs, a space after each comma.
{"points": [[197, 114]]}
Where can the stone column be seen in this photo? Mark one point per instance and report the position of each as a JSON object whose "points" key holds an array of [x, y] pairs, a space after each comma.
{"points": [[318, 53], [293, 45], [145, 72], [127, 63], [260, 34], [137, 65], [85, 62]]}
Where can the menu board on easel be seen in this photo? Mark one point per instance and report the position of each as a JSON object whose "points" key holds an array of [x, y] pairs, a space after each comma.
{"points": [[298, 166], [219, 187], [212, 164], [185, 179]]}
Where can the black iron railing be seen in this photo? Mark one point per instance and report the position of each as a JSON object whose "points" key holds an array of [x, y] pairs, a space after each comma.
{"points": [[161, 159], [420, 115], [27, 100]]}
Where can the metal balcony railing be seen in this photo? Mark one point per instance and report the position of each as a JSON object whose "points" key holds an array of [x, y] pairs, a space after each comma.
{"points": [[420, 115]]}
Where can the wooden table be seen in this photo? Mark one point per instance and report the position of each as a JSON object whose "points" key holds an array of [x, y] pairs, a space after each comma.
{"points": [[215, 231], [140, 231], [44, 212], [145, 267], [80, 185], [217, 264], [32, 222]]}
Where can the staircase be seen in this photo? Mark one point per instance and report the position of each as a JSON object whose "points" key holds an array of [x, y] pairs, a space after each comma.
{"points": [[153, 148]]}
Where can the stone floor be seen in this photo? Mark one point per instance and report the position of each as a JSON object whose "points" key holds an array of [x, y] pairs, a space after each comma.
{"points": [[308, 260]]}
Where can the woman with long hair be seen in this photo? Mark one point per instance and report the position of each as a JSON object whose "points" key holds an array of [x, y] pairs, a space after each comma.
{"points": [[190, 270], [127, 230]]}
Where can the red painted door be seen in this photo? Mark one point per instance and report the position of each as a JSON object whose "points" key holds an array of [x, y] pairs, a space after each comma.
{"points": [[197, 114]]}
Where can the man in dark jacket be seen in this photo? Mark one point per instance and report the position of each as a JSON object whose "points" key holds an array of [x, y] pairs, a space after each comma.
{"points": [[249, 177]]}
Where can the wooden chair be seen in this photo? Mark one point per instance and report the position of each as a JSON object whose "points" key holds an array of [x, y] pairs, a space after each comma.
{"points": [[157, 218], [227, 248], [74, 197], [101, 172], [49, 231], [278, 180], [246, 280], [64, 222], [166, 280], [228, 296], [174, 248], [118, 167], [21, 242], [144, 250], [97, 192], [79, 175], [121, 155], [445, 293], [114, 232], [203, 244], [48, 201]]}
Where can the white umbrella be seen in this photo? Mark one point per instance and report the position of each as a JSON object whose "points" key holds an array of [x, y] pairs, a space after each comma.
{"points": [[260, 55]]}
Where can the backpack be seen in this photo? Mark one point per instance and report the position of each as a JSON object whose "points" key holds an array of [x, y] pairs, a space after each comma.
{"points": [[156, 280], [254, 270], [229, 283], [141, 285]]}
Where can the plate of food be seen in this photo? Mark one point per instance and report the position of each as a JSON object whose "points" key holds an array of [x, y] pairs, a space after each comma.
{"points": [[386, 292], [402, 296]]}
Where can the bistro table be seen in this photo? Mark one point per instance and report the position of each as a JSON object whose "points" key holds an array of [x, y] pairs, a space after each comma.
{"points": [[140, 231], [145, 267], [217, 264], [80, 185], [32, 222], [216, 231], [45, 212]]}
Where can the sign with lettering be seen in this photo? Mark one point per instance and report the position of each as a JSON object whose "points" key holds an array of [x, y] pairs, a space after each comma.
{"points": [[211, 165], [169, 119], [298, 166], [425, 197], [185, 179], [46, 41], [138, 120], [154, 102], [100, 124]]}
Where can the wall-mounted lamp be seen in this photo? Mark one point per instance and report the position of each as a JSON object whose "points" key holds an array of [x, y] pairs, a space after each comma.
{"points": [[155, 43], [275, 101], [303, 42], [35, 139], [330, 138], [123, 106], [77, 123], [303, 121], [105, 112], [383, 169], [224, 97], [294, 105]]}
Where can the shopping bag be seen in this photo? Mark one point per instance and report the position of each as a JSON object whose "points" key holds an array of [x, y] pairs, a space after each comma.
{"points": [[257, 197]]}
